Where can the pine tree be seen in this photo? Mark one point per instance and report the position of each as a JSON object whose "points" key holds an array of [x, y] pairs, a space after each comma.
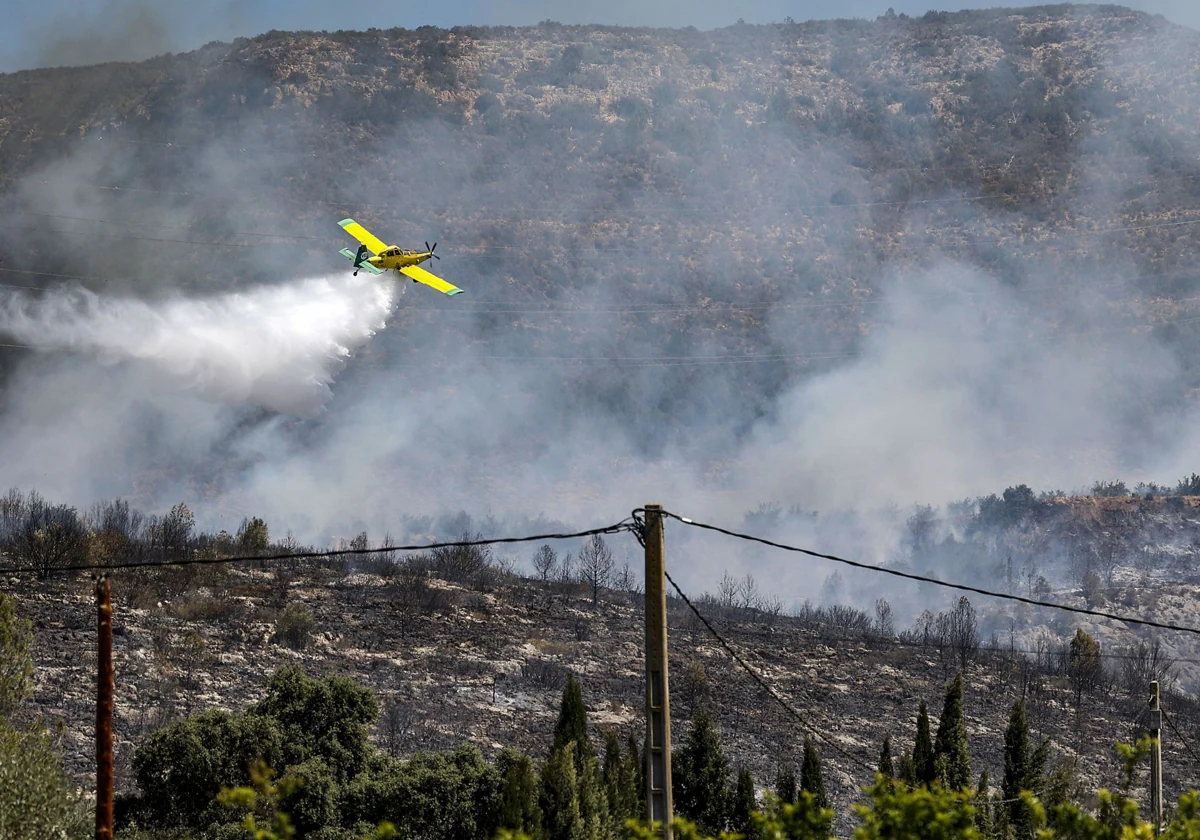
{"points": [[558, 796], [700, 777], [983, 806], [950, 747], [743, 806], [785, 784], [811, 779], [572, 722], [924, 768], [518, 792], [886, 767]]}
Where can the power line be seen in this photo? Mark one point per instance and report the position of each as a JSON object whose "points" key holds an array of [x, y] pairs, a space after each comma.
{"points": [[924, 579], [1179, 735], [788, 707], [616, 528]]}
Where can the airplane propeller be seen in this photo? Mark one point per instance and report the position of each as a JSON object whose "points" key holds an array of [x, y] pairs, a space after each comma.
{"points": [[431, 250]]}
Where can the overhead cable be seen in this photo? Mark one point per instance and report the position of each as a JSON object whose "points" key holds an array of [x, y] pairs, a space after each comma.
{"points": [[615, 528], [788, 707], [1128, 619]]}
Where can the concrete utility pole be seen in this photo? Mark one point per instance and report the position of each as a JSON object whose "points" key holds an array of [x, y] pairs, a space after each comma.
{"points": [[660, 807], [1156, 801], [104, 711]]}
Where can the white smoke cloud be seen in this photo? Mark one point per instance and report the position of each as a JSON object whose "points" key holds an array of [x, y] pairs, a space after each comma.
{"points": [[277, 347]]}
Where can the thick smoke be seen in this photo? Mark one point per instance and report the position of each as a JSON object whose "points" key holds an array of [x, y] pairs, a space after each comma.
{"points": [[539, 391], [277, 347]]}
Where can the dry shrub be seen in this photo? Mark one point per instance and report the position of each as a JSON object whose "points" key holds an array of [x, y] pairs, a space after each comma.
{"points": [[294, 626], [205, 608], [542, 673]]}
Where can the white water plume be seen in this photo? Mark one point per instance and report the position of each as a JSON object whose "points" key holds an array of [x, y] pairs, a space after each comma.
{"points": [[271, 346]]}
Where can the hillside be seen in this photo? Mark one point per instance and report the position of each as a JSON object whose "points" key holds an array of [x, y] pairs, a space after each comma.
{"points": [[460, 649], [790, 169], [840, 270]]}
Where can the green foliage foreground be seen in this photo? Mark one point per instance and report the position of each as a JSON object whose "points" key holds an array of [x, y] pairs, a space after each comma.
{"points": [[208, 778]]}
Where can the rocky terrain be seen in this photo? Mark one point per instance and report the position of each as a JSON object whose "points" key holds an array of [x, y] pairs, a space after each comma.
{"points": [[481, 657], [792, 166]]}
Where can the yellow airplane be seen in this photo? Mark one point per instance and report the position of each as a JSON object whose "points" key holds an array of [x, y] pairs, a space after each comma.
{"points": [[390, 257]]}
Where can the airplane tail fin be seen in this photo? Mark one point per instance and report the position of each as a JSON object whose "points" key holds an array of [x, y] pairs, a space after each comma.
{"points": [[359, 260]]}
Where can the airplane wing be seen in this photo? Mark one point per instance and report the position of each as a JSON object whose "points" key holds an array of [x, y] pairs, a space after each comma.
{"points": [[363, 235], [422, 276]]}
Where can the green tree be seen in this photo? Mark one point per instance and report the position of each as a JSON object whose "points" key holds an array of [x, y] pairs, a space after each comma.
{"points": [[593, 806], [518, 796], [327, 718], [558, 796], [899, 813], [253, 536], [1022, 772], [923, 758], [742, 808], [811, 779], [620, 781], [950, 746], [182, 767], [983, 806], [16, 658], [37, 798], [309, 796], [785, 784], [439, 796], [700, 776], [572, 722], [635, 770], [886, 766]]}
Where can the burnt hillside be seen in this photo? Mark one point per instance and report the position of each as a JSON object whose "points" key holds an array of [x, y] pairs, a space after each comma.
{"points": [[461, 646], [740, 192]]}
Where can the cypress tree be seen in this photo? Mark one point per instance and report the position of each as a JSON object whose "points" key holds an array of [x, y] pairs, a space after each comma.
{"points": [[950, 747], [905, 771], [785, 785], [886, 768], [619, 782], [743, 806], [700, 777], [1022, 770], [593, 805], [635, 770], [611, 772], [811, 779], [572, 722], [983, 806], [558, 796], [518, 792], [924, 767]]}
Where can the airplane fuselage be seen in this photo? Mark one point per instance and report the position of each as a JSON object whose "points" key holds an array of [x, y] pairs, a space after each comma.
{"points": [[394, 258]]}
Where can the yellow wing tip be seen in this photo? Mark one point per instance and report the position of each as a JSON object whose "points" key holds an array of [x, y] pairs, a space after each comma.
{"points": [[345, 222]]}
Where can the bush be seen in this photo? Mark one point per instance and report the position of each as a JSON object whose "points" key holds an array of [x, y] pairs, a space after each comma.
{"points": [[182, 767], [1110, 489], [37, 797], [294, 626]]}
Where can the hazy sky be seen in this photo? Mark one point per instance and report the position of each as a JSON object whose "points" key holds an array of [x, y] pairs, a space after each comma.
{"points": [[85, 31]]}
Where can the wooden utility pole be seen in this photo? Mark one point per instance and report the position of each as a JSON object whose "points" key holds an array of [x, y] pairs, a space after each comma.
{"points": [[1156, 801], [104, 711], [659, 805]]}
